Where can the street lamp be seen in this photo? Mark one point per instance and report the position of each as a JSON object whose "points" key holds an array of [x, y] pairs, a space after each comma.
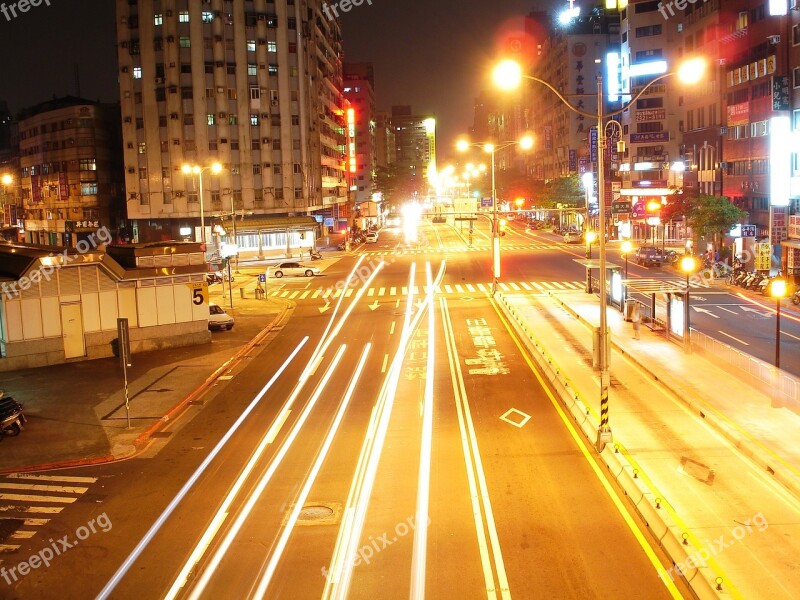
{"points": [[591, 236], [508, 75], [188, 169], [688, 265], [525, 143], [6, 180], [778, 291]]}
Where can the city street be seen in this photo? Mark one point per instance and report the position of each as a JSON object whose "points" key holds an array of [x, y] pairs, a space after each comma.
{"points": [[354, 430]]}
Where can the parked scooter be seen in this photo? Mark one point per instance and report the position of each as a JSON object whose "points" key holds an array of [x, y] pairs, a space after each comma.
{"points": [[796, 297], [212, 278], [12, 419], [316, 255]]}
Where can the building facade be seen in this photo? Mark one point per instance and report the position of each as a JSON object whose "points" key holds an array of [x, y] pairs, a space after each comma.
{"points": [[359, 90], [415, 138], [255, 87], [70, 171]]}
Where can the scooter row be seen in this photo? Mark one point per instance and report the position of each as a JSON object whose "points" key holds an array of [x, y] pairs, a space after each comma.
{"points": [[12, 419], [753, 280]]}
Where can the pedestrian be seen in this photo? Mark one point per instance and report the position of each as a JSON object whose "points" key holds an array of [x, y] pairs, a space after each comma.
{"points": [[636, 319]]}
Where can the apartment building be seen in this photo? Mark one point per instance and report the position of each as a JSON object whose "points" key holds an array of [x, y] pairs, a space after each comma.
{"points": [[359, 90]]}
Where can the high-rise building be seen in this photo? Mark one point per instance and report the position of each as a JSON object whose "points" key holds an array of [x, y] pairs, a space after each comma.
{"points": [[415, 137], [70, 171], [385, 140], [254, 86], [359, 90]]}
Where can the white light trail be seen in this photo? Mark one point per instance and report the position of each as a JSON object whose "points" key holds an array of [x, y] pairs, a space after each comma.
{"points": [[154, 529]]}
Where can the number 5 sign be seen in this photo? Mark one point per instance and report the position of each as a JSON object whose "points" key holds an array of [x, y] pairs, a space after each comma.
{"points": [[199, 292]]}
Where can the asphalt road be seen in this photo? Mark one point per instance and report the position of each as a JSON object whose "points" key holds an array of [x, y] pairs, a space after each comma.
{"points": [[429, 458]]}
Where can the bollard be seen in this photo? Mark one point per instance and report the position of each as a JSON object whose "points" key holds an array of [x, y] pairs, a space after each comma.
{"points": [[241, 292]]}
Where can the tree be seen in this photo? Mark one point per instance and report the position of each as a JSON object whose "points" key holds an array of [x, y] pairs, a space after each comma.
{"points": [[564, 190], [713, 216]]}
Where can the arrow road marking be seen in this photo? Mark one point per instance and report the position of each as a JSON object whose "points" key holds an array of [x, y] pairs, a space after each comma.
{"points": [[705, 310], [753, 310], [374, 305], [322, 309]]}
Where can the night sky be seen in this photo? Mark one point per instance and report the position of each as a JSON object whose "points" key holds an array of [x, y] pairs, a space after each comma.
{"points": [[432, 54]]}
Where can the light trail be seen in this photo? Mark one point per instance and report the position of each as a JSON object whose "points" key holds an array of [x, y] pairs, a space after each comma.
{"points": [[162, 518]]}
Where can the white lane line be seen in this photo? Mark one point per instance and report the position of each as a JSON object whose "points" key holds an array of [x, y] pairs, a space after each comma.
{"points": [[790, 335], [733, 338], [43, 488], [475, 475], [311, 478], [733, 312], [63, 478], [382, 291], [420, 548], [275, 429], [391, 327], [393, 291], [32, 498], [167, 512], [210, 569], [371, 292]]}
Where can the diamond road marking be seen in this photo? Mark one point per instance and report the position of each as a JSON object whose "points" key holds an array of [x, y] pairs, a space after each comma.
{"points": [[519, 418]]}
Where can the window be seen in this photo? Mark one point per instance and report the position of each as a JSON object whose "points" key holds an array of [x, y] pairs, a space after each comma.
{"points": [[276, 169], [235, 170], [88, 188], [298, 193], [233, 120], [256, 169], [191, 197], [87, 164], [272, 46], [137, 72], [278, 193], [209, 92], [796, 119], [650, 103], [648, 54], [158, 20], [295, 119], [796, 76], [142, 147], [211, 119], [273, 69], [186, 93], [255, 93], [297, 169], [231, 93], [184, 42], [207, 16], [255, 145], [251, 45], [649, 127], [758, 129], [645, 7], [183, 16], [142, 172], [648, 31], [254, 120], [234, 144], [795, 35]]}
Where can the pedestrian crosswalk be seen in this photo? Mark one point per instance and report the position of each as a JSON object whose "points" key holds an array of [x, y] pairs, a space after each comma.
{"points": [[28, 501], [402, 251]]}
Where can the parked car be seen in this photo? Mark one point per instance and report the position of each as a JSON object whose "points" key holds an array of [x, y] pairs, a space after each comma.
{"points": [[372, 237], [648, 255], [292, 269], [573, 237], [218, 319]]}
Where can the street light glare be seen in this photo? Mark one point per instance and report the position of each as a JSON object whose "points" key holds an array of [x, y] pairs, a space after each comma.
{"points": [[692, 70], [216, 167], [488, 147], [626, 247], [778, 288], [507, 75], [526, 142], [687, 264], [7, 179], [462, 145]]}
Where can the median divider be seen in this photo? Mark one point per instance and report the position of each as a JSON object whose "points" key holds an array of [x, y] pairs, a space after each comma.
{"points": [[650, 504]]}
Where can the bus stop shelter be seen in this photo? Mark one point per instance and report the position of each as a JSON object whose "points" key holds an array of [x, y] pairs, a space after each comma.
{"points": [[676, 320], [614, 287]]}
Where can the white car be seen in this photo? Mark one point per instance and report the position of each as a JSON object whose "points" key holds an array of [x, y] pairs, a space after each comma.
{"points": [[218, 318], [573, 237], [291, 269], [372, 237]]}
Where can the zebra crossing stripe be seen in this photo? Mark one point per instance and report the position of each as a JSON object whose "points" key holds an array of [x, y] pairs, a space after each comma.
{"points": [[36, 510], [404, 291], [305, 294], [381, 291], [22, 534], [514, 286], [337, 293], [558, 285], [481, 287], [8, 548], [316, 293], [503, 286], [371, 292], [293, 295], [525, 286], [32, 498], [393, 291], [43, 488], [470, 288], [459, 288], [64, 478], [349, 292], [448, 288]]}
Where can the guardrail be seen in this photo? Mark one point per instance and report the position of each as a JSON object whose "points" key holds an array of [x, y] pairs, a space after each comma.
{"points": [[784, 388]]}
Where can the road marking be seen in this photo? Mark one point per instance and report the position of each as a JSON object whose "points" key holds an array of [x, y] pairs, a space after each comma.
{"points": [[470, 288], [601, 476], [316, 293], [305, 294], [733, 312], [790, 335], [503, 286], [704, 310], [43, 488], [459, 288], [371, 292], [22, 534], [382, 291], [8, 548], [393, 291], [391, 328], [506, 416], [733, 338], [481, 287], [31, 498], [63, 478], [404, 291], [294, 295], [275, 429], [385, 361], [484, 519], [558, 285], [525, 286]]}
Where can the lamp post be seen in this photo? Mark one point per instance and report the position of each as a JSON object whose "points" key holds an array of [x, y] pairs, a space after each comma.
{"points": [[508, 74], [687, 266], [591, 236], [189, 169], [778, 291], [626, 248], [526, 143]]}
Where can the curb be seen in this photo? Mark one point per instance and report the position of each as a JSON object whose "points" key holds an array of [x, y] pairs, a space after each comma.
{"points": [[140, 443], [647, 501], [753, 450]]}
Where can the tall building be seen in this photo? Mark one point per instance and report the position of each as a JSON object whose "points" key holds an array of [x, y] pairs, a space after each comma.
{"points": [[385, 140], [70, 171], [359, 90], [415, 138], [254, 86]]}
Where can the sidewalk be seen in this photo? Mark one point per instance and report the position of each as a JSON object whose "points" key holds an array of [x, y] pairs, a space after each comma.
{"points": [[680, 425], [76, 411]]}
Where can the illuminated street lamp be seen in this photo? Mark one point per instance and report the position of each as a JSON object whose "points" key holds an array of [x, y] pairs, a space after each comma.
{"points": [[688, 265], [778, 291], [462, 145], [508, 75], [189, 169], [6, 180]]}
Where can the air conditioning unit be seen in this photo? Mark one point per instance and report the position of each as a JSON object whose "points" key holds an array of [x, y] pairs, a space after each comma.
{"points": [[124, 44], [265, 115], [130, 145], [723, 165], [223, 115], [262, 42], [168, 13], [774, 39], [171, 38], [217, 38], [722, 61]]}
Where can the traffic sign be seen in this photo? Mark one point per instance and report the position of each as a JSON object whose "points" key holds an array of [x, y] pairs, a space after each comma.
{"points": [[620, 206], [486, 203], [748, 231]]}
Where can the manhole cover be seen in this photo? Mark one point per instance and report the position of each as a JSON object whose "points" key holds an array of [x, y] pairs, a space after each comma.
{"points": [[316, 513]]}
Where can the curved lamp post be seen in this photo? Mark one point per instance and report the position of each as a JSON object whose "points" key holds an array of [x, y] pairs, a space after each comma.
{"points": [[190, 169], [508, 75], [526, 143]]}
